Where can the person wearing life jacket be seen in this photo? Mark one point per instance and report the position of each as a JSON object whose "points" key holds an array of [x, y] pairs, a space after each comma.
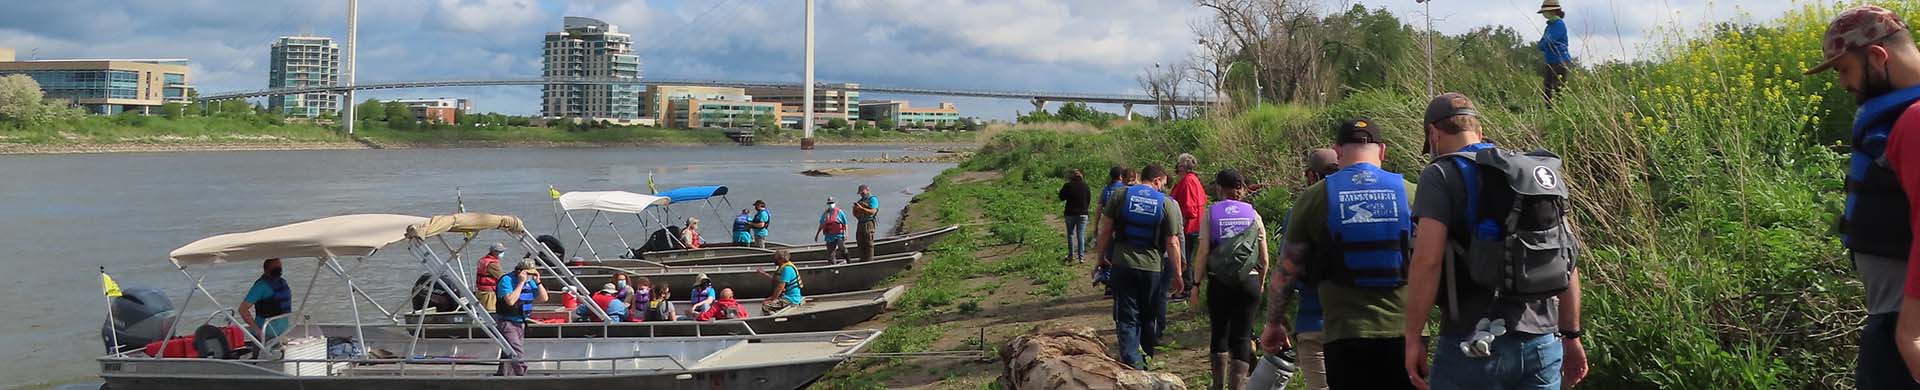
{"points": [[1226, 226], [1540, 337], [1873, 51], [1142, 228], [702, 295], [518, 292], [267, 301], [1309, 323], [761, 221], [786, 285], [833, 225], [1118, 178], [866, 212], [690, 234], [1349, 238], [660, 308], [742, 228], [724, 309], [486, 278]]}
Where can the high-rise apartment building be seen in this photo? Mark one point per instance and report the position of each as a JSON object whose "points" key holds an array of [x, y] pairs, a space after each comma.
{"points": [[590, 49], [304, 61]]}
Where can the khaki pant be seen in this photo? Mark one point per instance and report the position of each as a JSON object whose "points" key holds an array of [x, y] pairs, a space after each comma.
{"points": [[487, 299], [778, 304], [1312, 352], [866, 241]]}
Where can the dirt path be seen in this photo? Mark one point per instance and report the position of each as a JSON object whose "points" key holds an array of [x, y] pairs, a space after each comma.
{"points": [[1011, 304]]}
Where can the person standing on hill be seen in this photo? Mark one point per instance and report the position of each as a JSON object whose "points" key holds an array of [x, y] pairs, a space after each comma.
{"points": [[1192, 197], [1233, 242], [1118, 178], [1877, 62], [1554, 49], [1309, 338], [866, 211], [1349, 238], [1076, 195], [1500, 328], [1141, 227]]}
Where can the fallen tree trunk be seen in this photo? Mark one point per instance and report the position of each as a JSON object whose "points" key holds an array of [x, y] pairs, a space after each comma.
{"points": [[1072, 358]]}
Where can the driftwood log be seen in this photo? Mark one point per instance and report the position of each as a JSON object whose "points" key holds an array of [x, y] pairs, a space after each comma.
{"points": [[1051, 357]]}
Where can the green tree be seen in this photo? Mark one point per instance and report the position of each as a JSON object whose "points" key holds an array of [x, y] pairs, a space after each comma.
{"points": [[173, 110], [887, 124], [971, 124], [837, 123], [766, 122], [370, 110], [21, 100], [399, 117]]}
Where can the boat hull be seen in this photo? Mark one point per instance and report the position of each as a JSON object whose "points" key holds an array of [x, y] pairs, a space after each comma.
{"points": [[915, 242], [214, 377]]}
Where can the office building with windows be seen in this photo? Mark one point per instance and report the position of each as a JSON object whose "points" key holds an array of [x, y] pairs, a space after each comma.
{"points": [[107, 86], [304, 61], [904, 115], [590, 49], [435, 110], [840, 101], [696, 107]]}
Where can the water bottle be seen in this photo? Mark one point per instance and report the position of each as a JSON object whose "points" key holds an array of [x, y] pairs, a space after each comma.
{"points": [[1273, 372]]}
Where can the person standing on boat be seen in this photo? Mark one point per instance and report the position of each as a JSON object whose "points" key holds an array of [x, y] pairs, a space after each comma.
{"points": [[267, 301], [487, 277], [691, 233], [868, 211], [518, 292], [742, 230], [762, 219], [833, 224], [786, 286]]}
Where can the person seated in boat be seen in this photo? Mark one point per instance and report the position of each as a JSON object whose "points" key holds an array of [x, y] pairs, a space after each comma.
{"points": [[661, 307], [786, 285], [623, 289], [725, 308], [743, 228], [702, 295], [690, 233], [638, 294], [267, 302]]}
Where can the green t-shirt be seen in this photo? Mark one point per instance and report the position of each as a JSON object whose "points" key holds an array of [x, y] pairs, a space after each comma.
{"points": [[1135, 257], [1351, 312]]}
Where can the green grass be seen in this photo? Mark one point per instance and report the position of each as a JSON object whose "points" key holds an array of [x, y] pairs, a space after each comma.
{"points": [[158, 130]]}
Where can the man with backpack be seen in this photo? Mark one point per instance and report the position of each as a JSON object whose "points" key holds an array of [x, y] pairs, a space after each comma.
{"points": [[1233, 258], [1142, 226], [1349, 238], [1874, 54], [1493, 247]]}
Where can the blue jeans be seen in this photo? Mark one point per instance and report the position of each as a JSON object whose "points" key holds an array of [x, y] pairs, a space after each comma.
{"points": [[1520, 361], [1880, 364], [1077, 237], [1158, 305], [1133, 320]]}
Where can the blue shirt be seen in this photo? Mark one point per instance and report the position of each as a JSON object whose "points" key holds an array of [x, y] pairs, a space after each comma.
{"points": [[761, 216], [506, 287], [260, 291], [790, 276], [1553, 43], [873, 202], [842, 235], [1108, 192]]}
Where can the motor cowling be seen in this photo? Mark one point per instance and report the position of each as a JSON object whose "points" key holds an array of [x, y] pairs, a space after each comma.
{"points": [[141, 315]]}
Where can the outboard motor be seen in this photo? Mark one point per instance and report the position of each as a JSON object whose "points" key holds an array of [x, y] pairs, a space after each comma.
{"points": [[553, 244], [141, 315], [426, 294]]}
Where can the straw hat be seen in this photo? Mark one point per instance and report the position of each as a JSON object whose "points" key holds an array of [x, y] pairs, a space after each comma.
{"points": [[1549, 6]]}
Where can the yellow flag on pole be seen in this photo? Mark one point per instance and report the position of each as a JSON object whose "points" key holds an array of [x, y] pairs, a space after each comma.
{"points": [[108, 286], [555, 193], [650, 188]]}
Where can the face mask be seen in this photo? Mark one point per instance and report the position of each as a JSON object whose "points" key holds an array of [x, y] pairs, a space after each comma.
{"points": [[830, 205], [623, 283]]}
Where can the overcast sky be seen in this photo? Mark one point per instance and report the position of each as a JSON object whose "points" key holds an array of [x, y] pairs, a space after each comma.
{"points": [[1096, 46]]}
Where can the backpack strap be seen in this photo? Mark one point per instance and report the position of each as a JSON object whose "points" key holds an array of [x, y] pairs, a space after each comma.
{"points": [[1463, 163]]}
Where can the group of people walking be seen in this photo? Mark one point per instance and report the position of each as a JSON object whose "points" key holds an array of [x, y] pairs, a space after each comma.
{"points": [[1486, 237]]}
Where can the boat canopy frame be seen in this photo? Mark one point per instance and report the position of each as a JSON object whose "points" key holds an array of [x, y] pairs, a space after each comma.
{"points": [[609, 202]]}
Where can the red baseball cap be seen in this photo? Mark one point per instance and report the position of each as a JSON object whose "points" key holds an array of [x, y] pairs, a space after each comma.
{"points": [[1855, 29]]}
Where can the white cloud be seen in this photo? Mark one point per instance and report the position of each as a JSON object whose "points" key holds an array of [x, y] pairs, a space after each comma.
{"points": [[485, 16]]}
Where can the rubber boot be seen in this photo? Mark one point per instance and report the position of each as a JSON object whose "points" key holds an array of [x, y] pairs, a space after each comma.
{"points": [[1219, 364], [1237, 375]]}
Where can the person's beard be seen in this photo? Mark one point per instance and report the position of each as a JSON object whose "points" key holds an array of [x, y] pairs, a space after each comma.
{"points": [[273, 273], [1872, 85]]}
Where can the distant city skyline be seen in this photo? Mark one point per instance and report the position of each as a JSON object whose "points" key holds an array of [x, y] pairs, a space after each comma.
{"points": [[1078, 45]]}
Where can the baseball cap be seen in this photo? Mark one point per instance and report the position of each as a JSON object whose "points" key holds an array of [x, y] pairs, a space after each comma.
{"points": [[759, 203], [499, 247], [1448, 105], [1359, 131], [1855, 29], [829, 200]]}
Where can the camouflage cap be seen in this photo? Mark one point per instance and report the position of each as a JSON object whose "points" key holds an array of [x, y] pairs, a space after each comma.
{"points": [[1855, 29]]}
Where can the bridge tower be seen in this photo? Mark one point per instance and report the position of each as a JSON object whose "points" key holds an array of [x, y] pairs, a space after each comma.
{"points": [[806, 93], [353, 43]]}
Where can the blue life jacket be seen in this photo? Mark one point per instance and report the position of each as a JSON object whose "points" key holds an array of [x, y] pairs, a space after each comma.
{"points": [[1140, 223], [1372, 226], [281, 302], [741, 233], [519, 312], [1883, 229], [1308, 317]]}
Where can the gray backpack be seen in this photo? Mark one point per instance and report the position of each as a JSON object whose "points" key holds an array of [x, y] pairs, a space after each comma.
{"points": [[1517, 242], [1236, 262]]}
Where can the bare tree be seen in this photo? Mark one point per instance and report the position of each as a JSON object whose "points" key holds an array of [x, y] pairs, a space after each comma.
{"points": [[1279, 37], [1164, 84]]}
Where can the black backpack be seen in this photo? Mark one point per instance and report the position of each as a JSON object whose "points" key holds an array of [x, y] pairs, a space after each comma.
{"points": [[1517, 242]]}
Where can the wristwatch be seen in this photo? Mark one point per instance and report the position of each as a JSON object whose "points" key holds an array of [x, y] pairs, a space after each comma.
{"points": [[1572, 334]]}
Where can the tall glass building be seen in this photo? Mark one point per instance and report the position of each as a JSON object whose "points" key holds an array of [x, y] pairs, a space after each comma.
{"points": [[107, 86], [304, 61], [590, 49]]}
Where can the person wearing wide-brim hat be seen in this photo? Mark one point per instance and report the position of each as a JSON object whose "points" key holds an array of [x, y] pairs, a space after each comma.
{"points": [[702, 294], [1553, 48]]}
